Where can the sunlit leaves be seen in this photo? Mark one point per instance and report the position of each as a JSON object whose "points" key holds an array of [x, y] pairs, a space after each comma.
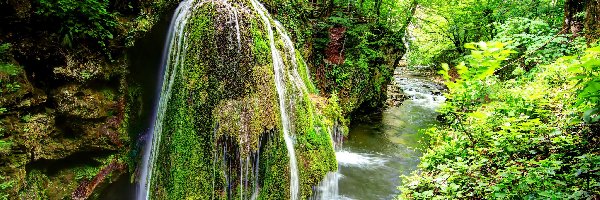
{"points": [[518, 137], [587, 71]]}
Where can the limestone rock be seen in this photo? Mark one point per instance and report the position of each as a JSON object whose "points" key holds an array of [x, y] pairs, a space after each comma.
{"points": [[76, 101]]}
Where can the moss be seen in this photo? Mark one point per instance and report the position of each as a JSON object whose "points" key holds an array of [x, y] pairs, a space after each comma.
{"points": [[223, 104], [85, 103], [275, 167], [305, 74], [58, 179], [86, 111], [314, 149], [261, 47], [14, 84]]}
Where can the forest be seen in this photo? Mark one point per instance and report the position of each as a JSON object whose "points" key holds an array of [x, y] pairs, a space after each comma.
{"points": [[299, 99]]}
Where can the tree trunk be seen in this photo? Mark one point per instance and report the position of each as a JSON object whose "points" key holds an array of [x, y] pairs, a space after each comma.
{"points": [[573, 23], [592, 20]]}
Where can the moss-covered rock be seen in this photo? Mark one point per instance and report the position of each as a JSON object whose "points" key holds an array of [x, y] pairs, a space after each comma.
{"points": [[222, 125], [14, 85], [74, 100], [63, 92]]}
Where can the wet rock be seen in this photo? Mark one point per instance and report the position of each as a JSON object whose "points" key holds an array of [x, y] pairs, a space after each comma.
{"points": [[38, 97], [76, 101], [15, 85], [413, 84], [38, 137], [84, 70]]}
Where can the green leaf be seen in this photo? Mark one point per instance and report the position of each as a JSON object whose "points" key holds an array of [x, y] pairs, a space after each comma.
{"points": [[470, 46], [591, 115]]}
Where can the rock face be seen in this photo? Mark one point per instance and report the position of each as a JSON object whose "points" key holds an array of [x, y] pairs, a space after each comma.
{"points": [[66, 101], [223, 131], [64, 98]]}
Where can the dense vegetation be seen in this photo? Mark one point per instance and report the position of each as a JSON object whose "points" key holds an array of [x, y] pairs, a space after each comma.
{"points": [[521, 119], [65, 100], [351, 46]]}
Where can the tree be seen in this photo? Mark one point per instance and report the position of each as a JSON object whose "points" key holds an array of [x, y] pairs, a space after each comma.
{"points": [[573, 22], [592, 20]]}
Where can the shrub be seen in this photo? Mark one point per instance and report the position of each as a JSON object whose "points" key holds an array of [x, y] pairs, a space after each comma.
{"points": [[80, 19]]}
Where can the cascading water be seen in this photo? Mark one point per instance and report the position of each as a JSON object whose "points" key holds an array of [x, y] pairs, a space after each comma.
{"points": [[329, 186], [289, 45], [279, 68], [384, 148], [285, 66], [172, 58]]}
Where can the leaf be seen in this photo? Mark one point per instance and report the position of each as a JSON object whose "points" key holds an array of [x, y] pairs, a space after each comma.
{"points": [[589, 117], [593, 50], [482, 45], [470, 46]]}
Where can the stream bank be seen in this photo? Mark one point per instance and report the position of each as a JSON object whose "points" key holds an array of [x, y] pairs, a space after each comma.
{"points": [[381, 147]]}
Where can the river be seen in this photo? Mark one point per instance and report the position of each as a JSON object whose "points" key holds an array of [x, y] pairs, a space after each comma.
{"points": [[387, 145]]}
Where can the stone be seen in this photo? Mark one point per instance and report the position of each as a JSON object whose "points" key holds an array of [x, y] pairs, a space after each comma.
{"points": [[74, 100]]}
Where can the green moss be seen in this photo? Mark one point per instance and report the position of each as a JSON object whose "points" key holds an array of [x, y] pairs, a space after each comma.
{"points": [[276, 171], [314, 147], [305, 74], [261, 47], [223, 104]]}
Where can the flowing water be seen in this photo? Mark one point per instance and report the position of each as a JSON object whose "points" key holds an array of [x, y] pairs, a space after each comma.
{"points": [[377, 152], [174, 51], [279, 68], [173, 59], [370, 162]]}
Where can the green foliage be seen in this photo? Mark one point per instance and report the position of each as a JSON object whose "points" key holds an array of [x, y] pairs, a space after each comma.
{"points": [[10, 69], [5, 146], [511, 139], [6, 184], [364, 72], [85, 172], [4, 51], [87, 19], [474, 84], [332, 110], [587, 69], [442, 28], [9, 74], [536, 41]]}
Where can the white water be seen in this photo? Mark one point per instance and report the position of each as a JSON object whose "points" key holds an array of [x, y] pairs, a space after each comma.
{"points": [[387, 147], [347, 158], [173, 57], [289, 45], [421, 92], [279, 68]]}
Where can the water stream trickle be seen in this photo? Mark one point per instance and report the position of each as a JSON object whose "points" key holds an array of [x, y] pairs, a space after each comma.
{"points": [[279, 68], [173, 55], [377, 152]]}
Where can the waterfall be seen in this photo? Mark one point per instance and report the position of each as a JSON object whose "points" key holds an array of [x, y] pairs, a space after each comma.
{"points": [[173, 55], [289, 45], [328, 188], [290, 86], [279, 68]]}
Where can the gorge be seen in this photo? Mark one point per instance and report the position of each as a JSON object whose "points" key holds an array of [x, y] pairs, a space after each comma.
{"points": [[306, 99]]}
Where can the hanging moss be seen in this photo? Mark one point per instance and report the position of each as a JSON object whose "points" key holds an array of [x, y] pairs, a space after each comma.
{"points": [[223, 104]]}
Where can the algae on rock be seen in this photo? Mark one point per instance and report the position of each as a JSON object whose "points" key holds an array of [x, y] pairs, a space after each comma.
{"points": [[63, 100], [222, 134]]}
